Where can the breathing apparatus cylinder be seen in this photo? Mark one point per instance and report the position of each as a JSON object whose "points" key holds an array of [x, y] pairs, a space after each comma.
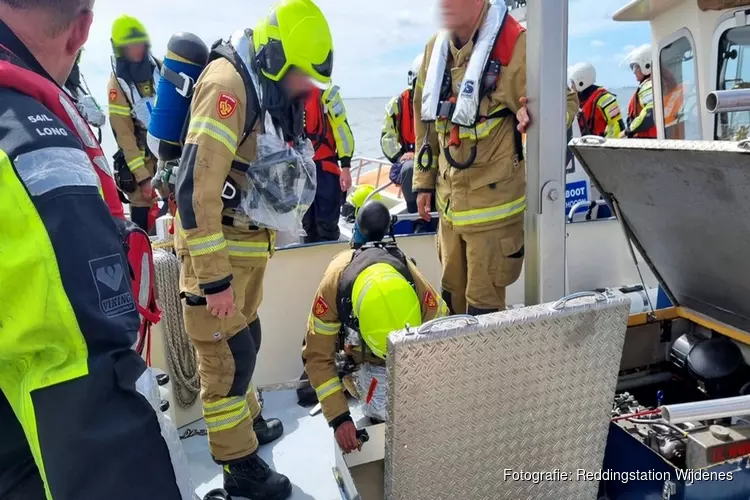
{"points": [[186, 58]]}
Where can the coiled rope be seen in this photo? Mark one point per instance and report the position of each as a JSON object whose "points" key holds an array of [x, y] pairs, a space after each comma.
{"points": [[183, 365]]}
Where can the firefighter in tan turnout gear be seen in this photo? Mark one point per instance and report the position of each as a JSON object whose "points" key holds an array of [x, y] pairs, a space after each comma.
{"points": [[223, 253], [372, 290], [469, 121], [131, 91]]}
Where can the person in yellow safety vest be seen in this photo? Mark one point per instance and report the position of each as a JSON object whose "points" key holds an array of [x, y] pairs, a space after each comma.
{"points": [[131, 91], [76, 420], [600, 112], [223, 252], [641, 122], [471, 153], [372, 291]]}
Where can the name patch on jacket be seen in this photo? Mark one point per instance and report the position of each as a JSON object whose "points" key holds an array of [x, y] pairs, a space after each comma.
{"points": [[113, 285]]}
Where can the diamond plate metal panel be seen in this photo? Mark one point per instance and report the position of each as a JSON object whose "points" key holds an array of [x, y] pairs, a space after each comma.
{"points": [[528, 390]]}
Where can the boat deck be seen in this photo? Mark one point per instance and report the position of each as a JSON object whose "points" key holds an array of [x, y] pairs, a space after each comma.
{"points": [[305, 453]]}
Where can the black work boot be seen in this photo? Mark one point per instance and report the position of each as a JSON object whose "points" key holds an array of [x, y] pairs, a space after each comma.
{"points": [[254, 479], [267, 431], [306, 395]]}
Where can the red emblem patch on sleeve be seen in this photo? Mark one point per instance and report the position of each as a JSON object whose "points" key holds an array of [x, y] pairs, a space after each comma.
{"points": [[112, 95], [320, 307], [226, 105], [430, 300]]}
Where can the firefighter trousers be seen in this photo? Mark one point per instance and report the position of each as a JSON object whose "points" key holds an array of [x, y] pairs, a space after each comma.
{"points": [[478, 266], [227, 351]]}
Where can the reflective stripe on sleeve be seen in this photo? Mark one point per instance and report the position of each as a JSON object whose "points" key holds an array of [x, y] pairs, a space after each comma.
{"points": [[206, 244], [115, 109], [328, 388], [43, 170], [326, 328], [201, 125], [136, 163]]}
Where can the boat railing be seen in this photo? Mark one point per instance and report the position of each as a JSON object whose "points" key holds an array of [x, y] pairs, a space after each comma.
{"points": [[591, 205], [365, 165]]}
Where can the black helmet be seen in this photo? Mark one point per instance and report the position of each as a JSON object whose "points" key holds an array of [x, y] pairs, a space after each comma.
{"points": [[374, 220]]}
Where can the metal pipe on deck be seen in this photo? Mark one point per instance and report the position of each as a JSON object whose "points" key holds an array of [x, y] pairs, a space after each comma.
{"points": [[727, 101], [546, 60], [706, 410]]}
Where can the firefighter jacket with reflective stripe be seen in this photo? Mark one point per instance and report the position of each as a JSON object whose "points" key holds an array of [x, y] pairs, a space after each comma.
{"points": [[126, 102], [492, 191], [641, 122], [211, 178], [328, 129], [16, 75], [600, 113], [325, 323], [397, 136]]}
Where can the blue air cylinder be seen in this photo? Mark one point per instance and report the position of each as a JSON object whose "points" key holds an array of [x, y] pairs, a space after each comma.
{"points": [[187, 55]]}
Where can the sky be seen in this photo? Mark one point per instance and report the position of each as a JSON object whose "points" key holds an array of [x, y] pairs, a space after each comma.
{"points": [[374, 41]]}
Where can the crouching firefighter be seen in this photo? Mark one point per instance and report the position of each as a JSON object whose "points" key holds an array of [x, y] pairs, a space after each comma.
{"points": [[74, 403], [366, 293], [264, 72], [131, 90]]}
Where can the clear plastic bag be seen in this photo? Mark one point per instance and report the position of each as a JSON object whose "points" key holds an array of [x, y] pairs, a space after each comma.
{"points": [[282, 182], [363, 378]]}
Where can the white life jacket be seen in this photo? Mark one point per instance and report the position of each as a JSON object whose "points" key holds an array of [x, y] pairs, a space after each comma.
{"points": [[140, 106], [466, 111]]}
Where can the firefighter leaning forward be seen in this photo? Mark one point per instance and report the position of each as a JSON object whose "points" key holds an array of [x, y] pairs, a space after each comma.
{"points": [[371, 291], [472, 156], [131, 91], [223, 253]]}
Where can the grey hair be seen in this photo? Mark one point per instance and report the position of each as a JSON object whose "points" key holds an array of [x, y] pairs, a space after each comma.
{"points": [[62, 12]]}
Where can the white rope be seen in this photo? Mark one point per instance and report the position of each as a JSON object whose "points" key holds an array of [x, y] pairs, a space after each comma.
{"points": [[183, 366]]}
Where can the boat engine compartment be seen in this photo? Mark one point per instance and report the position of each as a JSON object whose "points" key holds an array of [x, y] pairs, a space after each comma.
{"points": [[684, 379]]}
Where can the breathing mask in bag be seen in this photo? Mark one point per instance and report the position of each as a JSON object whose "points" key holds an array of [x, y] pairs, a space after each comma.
{"points": [[282, 181]]}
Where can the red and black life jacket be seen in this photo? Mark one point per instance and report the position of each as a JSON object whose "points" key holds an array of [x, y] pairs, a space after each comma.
{"points": [[320, 133], [406, 120], [589, 121], [135, 242], [24, 81]]}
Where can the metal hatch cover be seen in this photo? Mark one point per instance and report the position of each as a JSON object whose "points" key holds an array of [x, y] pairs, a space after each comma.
{"points": [[686, 206], [529, 390]]}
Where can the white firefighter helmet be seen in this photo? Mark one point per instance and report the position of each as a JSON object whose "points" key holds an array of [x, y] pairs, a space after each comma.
{"points": [[414, 70], [581, 76], [641, 57]]}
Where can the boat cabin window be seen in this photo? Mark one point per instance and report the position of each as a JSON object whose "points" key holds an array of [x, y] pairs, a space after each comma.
{"points": [[734, 73], [679, 91]]}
